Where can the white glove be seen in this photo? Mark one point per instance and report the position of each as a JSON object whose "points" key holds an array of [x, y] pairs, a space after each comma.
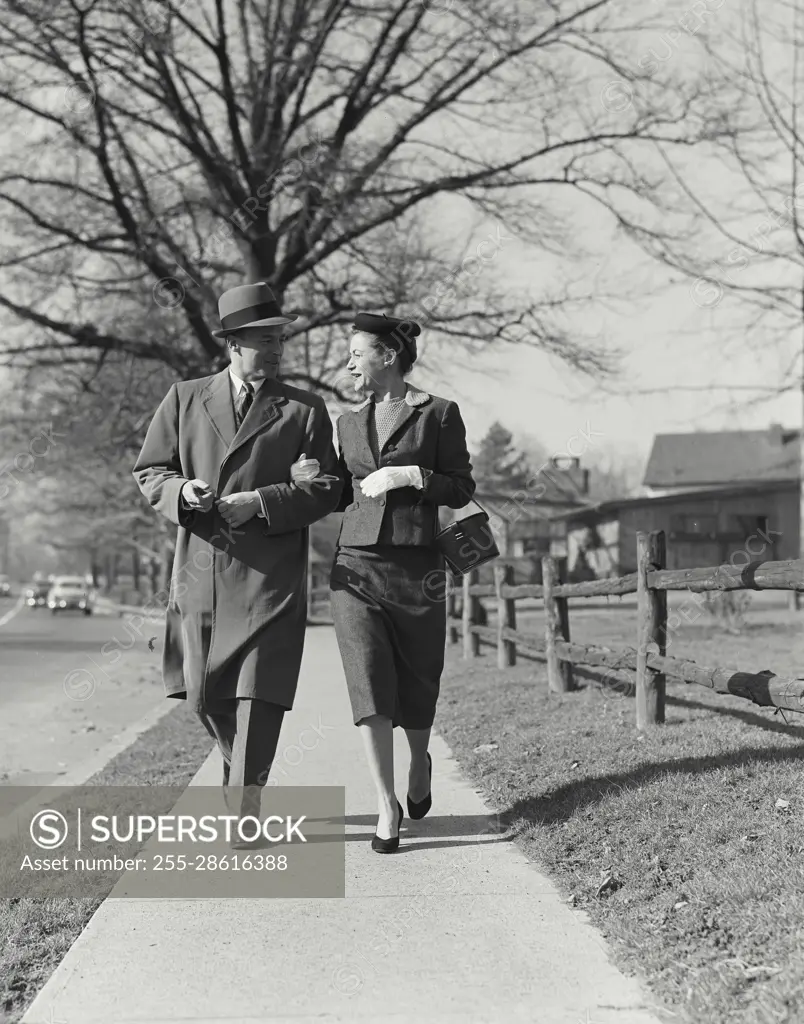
{"points": [[304, 471], [390, 477]]}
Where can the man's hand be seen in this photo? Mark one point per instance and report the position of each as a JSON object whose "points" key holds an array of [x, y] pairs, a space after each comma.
{"points": [[197, 495], [304, 471], [238, 508]]}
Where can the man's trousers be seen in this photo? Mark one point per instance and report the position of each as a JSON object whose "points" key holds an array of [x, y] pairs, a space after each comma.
{"points": [[247, 737]]}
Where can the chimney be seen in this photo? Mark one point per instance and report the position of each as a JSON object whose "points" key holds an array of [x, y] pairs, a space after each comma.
{"points": [[776, 434], [571, 466]]}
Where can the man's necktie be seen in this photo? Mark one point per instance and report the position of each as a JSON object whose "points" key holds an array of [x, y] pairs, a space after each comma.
{"points": [[244, 400]]}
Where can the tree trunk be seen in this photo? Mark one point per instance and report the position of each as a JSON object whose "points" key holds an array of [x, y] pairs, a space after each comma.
{"points": [[652, 626], [797, 598], [153, 575], [111, 569], [167, 565]]}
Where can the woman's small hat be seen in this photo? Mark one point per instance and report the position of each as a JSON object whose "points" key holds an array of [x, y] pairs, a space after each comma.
{"points": [[390, 327], [250, 305]]}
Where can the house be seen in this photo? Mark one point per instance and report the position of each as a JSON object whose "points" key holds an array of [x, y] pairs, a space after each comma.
{"points": [[722, 459], [524, 522], [720, 497]]}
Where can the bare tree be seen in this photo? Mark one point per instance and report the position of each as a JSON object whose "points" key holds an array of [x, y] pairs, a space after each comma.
{"points": [[745, 194], [163, 151], [69, 440]]}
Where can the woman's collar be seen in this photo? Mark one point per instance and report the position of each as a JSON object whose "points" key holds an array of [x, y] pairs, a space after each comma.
{"points": [[413, 396]]}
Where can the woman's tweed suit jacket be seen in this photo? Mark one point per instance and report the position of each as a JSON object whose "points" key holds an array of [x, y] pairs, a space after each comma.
{"points": [[430, 434]]}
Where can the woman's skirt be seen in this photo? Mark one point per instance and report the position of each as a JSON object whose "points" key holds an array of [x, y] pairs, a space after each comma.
{"points": [[390, 620]]}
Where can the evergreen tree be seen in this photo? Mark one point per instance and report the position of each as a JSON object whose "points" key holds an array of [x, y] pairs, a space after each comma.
{"points": [[498, 465]]}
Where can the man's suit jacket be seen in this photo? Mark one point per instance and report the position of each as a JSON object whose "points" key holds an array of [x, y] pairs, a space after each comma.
{"points": [[237, 604], [430, 434]]}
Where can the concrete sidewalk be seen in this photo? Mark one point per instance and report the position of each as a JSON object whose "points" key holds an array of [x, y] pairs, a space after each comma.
{"points": [[456, 927]]}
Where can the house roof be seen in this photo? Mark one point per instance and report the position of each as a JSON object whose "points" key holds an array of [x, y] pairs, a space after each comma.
{"points": [[552, 487], [522, 506], [723, 457], [601, 511]]}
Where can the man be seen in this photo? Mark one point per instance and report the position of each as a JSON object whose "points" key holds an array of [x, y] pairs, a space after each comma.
{"points": [[216, 462]]}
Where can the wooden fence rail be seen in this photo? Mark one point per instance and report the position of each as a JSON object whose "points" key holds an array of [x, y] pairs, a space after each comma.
{"points": [[648, 664]]}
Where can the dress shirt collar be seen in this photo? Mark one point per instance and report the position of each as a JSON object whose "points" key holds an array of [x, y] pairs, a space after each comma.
{"points": [[238, 382]]}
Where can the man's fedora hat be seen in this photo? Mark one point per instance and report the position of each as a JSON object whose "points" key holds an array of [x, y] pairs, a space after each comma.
{"points": [[250, 305]]}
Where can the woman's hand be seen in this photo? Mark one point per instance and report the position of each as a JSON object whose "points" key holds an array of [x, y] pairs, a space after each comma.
{"points": [[238, 508], [304, 471], [389, 478]]}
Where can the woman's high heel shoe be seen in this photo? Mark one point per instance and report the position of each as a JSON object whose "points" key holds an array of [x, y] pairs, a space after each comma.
{"points": [[389, 845], [418, 809]]}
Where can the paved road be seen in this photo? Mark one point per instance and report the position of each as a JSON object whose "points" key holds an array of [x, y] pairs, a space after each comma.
{"points": [[69, 684]]}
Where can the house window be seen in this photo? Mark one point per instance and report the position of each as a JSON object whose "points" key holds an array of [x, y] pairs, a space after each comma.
{"points": [[535, 545], [745, 526], [692, 524]]}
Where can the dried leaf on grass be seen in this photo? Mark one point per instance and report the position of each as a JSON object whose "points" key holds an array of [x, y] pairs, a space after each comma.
{"points": [[609, 885]]}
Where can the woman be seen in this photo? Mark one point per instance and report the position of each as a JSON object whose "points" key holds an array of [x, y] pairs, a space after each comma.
{"points": [[402, 454]]}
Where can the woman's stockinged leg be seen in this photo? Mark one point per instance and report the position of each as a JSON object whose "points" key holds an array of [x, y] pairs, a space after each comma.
{"points": [[419, 775], [378, 738]]}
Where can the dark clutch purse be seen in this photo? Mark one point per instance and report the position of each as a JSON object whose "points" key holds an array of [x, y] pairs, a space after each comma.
{"points": [[467, 543]]}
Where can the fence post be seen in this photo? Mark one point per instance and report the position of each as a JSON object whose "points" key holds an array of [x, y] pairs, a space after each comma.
{"points": [[452, 614], [652, 630], [562, 604], [558, 678], [506, 616], [471, 641], [310, 583]]}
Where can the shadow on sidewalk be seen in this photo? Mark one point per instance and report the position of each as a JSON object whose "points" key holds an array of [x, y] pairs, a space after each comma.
{"points": [[430, 833]]}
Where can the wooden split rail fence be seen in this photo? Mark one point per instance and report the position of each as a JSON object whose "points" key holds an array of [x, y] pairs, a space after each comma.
{"points": [[646, 666]]}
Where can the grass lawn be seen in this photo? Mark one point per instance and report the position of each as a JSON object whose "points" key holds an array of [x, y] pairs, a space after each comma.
{"points": [[672, 841], [36, 934]]}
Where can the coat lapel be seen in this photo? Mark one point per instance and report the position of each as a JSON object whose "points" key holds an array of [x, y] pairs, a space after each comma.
{"points": [[414, 398], [405, 414], [361, 423], [219, 408], [265, 409]]}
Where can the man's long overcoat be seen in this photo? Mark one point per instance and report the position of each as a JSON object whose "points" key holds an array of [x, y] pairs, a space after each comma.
{"points": [[237, 611]]}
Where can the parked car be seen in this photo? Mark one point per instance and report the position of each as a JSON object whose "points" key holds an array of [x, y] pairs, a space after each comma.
{"points": [[5, 586], [36, 594], [70, 593]]}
